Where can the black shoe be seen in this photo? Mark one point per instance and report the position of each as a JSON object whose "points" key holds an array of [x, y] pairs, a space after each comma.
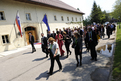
{"points": [[49, 73], [70, 52], [60, 69], [96, 59], [91, 59], [67, 56], [77, 64], [32, 51], [80, 64], [46, 56]]}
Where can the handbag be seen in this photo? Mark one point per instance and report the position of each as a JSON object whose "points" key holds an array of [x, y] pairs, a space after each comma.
{"points": [[73, 45]]}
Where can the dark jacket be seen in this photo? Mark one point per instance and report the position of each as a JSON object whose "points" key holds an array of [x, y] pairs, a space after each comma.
{"points": [[48, 36], [94, 38], [69, 33], [102, 29], [44, 42], [108, 30], [32, 39], [67, 41], [78, 46], [53, 35]]}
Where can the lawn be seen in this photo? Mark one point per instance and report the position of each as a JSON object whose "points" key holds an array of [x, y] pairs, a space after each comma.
{"points": [[117, 57]]}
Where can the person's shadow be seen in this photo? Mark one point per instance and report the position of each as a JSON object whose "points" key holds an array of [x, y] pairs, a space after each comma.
{"points": [[39, 59], [27, 53], [44, 74]]}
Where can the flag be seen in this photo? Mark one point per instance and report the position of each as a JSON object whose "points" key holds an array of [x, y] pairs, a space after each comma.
{"points": [[46, 22], [18, 23]]}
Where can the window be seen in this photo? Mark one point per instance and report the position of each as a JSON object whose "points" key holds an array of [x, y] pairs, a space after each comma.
{"points": [[5, 39], [76, 19], [55, 18], [72, 19], [62, 18], [28, 17], [2, 16], [80, 19], [67, 18]]}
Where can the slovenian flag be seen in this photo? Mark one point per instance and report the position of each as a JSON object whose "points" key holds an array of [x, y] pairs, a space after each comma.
{"points": [[18, 23]]}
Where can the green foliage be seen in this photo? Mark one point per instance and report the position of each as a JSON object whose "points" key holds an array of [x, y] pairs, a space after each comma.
{"points": [[87, 21], [97, 15], [117, 10], [117, 57]]}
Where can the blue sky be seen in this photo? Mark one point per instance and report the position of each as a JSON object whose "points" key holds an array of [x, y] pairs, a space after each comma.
{"points": [[86, 5]]}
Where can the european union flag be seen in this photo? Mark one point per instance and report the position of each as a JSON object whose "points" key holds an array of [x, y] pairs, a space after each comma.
{"points": [[46, 22]]}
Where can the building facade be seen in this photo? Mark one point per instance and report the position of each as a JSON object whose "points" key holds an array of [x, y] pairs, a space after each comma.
{"points": [[31, 14]]}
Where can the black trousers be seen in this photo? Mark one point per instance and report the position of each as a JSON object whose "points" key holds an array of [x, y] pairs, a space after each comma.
{"points": [[44, 49], [33, 48], [67, 45], [108, 33], [80, 55], [86, 45], [52, 62], [92, 49]]}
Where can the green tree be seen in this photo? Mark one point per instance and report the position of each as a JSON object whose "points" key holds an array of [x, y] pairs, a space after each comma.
{"points": [[117, 10], [97, 15], [94, 13], [87, 21]]}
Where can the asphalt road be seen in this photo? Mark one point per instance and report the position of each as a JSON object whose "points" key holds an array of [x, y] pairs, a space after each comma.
{"points": [[27, 66]]}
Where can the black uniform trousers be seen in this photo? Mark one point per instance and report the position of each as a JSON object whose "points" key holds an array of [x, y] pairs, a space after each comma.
{"points": [[52, 62], [92, 49], [67, 45], [45, 50], [33, 48]]}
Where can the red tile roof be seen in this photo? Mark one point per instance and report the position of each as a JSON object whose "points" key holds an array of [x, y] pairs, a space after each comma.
{"points": [[55, 3]]}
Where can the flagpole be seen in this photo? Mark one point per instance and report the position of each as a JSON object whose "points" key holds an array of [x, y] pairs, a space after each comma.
{"points": [[41, 26], [15, 27]]}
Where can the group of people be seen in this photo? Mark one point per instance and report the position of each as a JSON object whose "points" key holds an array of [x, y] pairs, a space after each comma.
{"points": [[52, 44]]}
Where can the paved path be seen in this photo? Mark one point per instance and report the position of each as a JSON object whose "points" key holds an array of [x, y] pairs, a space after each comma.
{"points": [[25, 66]]}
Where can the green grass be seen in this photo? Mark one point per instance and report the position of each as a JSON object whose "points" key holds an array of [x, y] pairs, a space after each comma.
{"points": [[117, 56]]}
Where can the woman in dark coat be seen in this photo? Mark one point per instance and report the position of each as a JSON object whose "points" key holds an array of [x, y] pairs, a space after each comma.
{"points": [[108, 28], [77, 45], [67, 40]]}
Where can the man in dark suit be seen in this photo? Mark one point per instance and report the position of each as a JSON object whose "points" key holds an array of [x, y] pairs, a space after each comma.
{"points": [[68, 32], [53, 34], [61, 32], [44, 44], [108, 28], [48, 35], [92, 41], [31, 41]]}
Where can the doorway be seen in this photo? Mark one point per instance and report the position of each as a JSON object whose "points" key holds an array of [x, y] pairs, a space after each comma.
{"points": [[33, 31]]}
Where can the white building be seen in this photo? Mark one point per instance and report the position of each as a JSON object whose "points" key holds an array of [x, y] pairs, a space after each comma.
{"points": [[59, 14]]}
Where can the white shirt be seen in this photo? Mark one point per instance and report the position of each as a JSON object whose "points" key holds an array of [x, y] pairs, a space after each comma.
{"points": [[54, 47]]}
